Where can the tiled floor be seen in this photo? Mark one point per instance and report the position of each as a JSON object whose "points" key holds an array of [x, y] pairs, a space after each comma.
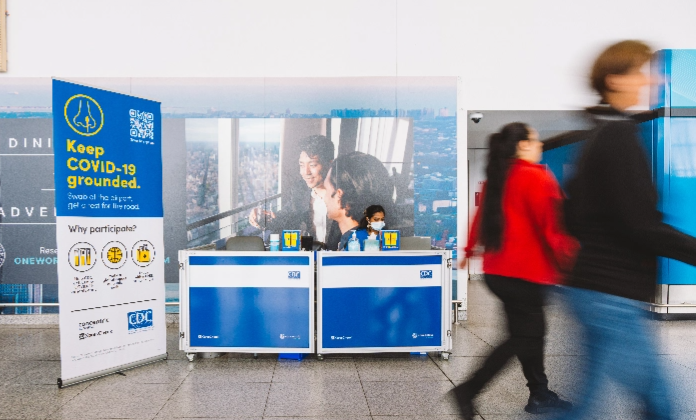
{"points": [[380, 387]]}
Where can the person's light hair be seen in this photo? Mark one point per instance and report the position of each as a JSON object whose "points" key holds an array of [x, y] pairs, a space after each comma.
{"points": [[618, 59]]}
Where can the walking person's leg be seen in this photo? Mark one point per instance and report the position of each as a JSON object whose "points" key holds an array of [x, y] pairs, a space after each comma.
{"points": [[596, 317], [495, 361], [657, 396], [523, 305], [635, 364], [527, 325]]}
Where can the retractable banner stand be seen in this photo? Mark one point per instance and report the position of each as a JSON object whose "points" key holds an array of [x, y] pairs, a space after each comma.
{"points": [[109, 228]]}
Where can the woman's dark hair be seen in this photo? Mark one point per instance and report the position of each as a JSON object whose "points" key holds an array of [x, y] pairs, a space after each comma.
{"points": [[369, 212], [502, 148]]}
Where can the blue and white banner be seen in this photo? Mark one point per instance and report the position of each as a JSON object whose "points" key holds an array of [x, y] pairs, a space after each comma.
{"points": [[109, 228]]}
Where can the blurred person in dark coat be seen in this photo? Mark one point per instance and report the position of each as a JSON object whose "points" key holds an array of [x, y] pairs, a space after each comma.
{"points": [[520, 225], [612, 210]]}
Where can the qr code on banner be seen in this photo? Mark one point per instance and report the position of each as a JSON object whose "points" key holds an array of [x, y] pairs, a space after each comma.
{"points": [[142, 124]]}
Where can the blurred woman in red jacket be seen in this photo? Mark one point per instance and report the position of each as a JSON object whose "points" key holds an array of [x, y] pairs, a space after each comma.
{"points": [[526, 249]]}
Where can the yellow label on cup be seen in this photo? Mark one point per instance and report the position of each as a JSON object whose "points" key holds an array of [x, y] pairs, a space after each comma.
{"points": [[391, 240], [291, 240]]}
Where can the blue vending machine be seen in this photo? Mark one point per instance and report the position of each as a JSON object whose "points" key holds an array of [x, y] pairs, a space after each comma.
{"points": [[668, 132], [671, 141]]}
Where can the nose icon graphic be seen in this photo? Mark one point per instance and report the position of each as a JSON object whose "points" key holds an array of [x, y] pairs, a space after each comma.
{"points": [[84, 119]]}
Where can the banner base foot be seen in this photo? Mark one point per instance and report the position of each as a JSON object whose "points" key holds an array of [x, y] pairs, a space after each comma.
{"points": [[116, 369]]}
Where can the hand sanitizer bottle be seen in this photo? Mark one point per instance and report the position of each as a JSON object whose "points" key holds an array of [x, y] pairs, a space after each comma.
{"points": [[354, 243], [275, 242]]}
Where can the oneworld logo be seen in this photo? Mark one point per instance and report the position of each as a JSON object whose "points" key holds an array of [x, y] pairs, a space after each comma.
{"points": [[91, 324], [426, 274], [139, 320], [293, 274]]}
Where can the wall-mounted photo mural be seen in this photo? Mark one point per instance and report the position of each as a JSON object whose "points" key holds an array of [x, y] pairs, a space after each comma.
{"points": [[246, 156]]}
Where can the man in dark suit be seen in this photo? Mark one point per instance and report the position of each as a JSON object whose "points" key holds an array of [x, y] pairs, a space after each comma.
{"points": [[303, 209]]}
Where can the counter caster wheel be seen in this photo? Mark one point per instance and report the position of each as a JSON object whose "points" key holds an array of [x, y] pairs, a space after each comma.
{"points": [[320, 357], [444, 355], [256, 355], [190, 356]]}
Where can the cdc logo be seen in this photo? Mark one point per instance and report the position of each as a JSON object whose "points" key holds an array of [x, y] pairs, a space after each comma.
{"points": [[139, 319], [293, 274], [426, 274]]}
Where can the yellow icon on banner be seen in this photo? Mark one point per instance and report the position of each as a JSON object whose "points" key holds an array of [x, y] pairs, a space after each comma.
{"points": [[143, 254], [290, 239], [83, 257], [390, 238], [114, 255], [84, 115]]}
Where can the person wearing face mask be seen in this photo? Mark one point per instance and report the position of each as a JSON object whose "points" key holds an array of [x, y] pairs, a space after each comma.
{"points": [[373, 220], [371, 224]]}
